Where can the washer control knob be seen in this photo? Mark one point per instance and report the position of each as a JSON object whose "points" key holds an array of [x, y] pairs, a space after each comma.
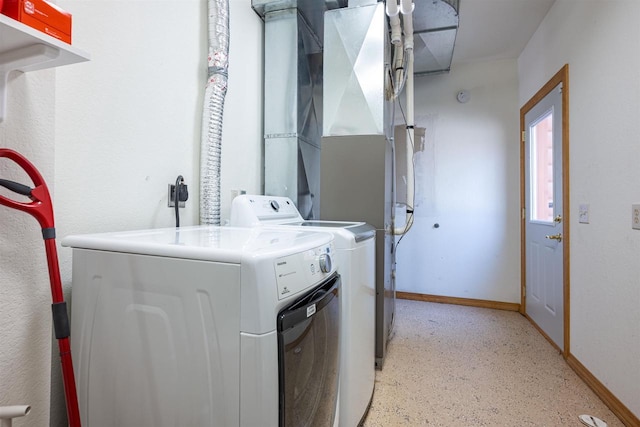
{"points": [[325, 263], [275, 206]]}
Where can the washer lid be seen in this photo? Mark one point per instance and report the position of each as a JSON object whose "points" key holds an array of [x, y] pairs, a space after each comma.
{"points": [[209, 243], [361, 230], [255, 210], [337, 224]]}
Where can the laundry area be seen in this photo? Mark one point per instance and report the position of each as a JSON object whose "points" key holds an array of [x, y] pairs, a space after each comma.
{"points": [[260, 203]]}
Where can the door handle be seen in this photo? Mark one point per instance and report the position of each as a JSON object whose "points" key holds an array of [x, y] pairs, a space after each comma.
{"points": [[557, 237]]}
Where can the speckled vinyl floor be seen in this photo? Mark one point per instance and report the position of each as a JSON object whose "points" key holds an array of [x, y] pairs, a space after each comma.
{"points": [[461, 366]]}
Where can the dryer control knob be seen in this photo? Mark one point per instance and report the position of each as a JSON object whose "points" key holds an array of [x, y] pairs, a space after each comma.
{"points": [[325, 263], [275, 205]]}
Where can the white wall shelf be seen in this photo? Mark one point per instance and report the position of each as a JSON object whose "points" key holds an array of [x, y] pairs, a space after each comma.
{"points": [[23, 48]]}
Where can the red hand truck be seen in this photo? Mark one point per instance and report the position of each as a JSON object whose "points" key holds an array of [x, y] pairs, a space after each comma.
{"points": [[41, 209]]}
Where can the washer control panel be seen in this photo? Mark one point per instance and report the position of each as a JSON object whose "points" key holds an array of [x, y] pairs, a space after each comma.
{"points": [[250, 211], [297, 272]]}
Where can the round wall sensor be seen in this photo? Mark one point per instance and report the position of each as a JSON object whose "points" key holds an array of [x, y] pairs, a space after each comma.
{"points": [[463, 96]]}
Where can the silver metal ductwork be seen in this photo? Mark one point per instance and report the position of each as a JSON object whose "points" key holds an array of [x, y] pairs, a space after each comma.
{"points": [[215, 91], [293, 98], [354, 72], [292, 110], [435, 26]]}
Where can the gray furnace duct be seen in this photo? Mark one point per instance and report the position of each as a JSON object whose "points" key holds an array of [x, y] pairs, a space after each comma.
{"points": [[357, 167]]}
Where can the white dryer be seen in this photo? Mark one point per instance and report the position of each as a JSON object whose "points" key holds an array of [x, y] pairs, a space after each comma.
{"points": [[355, 254], [205, 326]]}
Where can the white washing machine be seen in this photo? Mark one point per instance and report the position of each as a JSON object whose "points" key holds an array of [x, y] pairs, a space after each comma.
{"points": [[206, 326], [355, 254]]}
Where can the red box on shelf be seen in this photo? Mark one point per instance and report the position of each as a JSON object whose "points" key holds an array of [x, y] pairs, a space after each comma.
{"points": [[41, 15]]}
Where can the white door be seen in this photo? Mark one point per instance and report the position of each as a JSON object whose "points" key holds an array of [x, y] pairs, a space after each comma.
{"points": [[543, 215]]}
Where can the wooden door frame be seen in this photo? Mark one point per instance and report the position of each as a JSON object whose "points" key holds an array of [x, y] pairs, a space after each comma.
{"points": [[561, 77]]}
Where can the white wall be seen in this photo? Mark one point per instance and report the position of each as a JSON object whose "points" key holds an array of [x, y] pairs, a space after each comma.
{"points": [[467, 181], [25, 295], [600, 40], [120, 128]]}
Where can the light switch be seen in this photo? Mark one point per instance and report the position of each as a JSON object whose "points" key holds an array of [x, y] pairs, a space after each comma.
{"points": [[583, 214], [635, 217]]}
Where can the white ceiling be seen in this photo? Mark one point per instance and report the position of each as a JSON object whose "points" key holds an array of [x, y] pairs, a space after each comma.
{"points": [[496, 29]]}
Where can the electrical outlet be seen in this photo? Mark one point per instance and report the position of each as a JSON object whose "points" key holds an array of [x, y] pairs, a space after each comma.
{"points": [[171, 197], [635, 217]]}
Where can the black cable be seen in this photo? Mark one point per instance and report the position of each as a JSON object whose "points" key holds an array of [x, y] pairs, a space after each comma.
{"points": [[176, 198], [409, 222]]}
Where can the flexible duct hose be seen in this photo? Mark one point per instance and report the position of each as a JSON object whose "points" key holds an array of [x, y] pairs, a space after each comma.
{"points": [[215, 92]]}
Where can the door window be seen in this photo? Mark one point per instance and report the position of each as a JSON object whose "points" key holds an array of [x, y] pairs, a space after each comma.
{"points": [[541, 168]]}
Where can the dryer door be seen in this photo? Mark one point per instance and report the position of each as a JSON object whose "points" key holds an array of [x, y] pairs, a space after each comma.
{"points": [[308, 339]]}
